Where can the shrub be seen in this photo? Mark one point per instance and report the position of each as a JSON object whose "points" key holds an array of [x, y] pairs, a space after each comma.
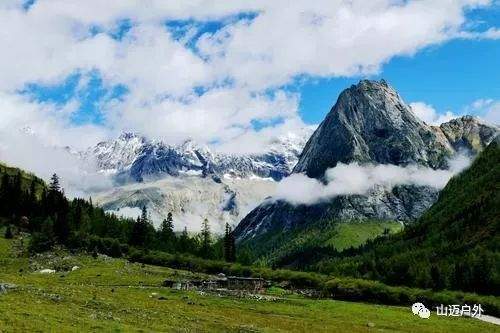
{"points": [[40, 242], [371, 291], [350, 289], [8, 232]]}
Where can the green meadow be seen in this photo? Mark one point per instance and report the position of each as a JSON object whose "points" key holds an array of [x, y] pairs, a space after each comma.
{"points": [[114, 295]]}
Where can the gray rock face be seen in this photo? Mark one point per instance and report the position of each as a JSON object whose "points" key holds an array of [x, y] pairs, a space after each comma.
{"points": [[189, 198], [468, 133], [134, 158], [5, 287], [190, 180], [370, 124], [402, 203]]}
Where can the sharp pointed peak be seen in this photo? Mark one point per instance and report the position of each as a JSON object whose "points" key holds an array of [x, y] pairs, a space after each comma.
{"points": [[127, 135]]}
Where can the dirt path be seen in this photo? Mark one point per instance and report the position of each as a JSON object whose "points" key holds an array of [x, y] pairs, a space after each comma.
{"points": [[489, 319]]}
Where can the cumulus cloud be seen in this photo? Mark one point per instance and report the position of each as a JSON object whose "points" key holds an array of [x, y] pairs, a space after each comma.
{"points": [[31, 135], [428, 114], [486, 108], [77, 178], [211, 86], [348, 179], [325, 38], [290, 132], [221, 114], [55, 38], [491, 33]]}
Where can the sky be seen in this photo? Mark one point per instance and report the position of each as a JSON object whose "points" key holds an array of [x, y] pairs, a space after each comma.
{"points": [[230, 74]]}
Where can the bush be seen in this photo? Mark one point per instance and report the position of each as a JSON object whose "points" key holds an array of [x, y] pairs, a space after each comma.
{"points": [[350, 289], [40, 242], [377, 292], [296, 279], [8, 232], [107, 246]]}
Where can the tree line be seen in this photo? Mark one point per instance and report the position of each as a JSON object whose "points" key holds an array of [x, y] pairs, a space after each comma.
{"points": [[454, 245], [52, 219]]}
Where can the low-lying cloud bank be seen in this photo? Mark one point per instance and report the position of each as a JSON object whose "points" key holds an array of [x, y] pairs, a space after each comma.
{"points": [[353, 178], [78, 178]]}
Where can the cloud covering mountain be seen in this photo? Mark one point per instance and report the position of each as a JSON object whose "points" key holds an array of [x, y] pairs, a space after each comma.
{"points": [[211, 71], [353, 178]]}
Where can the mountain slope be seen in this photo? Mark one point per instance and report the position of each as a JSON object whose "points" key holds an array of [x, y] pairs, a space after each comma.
{"points": [[455, 244], [191, 181], [369, 124], [26, 177], [133, 158], [190, 199]]}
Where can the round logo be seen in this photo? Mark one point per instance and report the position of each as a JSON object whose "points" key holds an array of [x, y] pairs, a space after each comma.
{"points": [[420, 310]]}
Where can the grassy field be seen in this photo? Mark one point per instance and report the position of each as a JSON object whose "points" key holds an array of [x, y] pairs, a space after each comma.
{"points": [[113, 295], [357, 233], [337, 235]]}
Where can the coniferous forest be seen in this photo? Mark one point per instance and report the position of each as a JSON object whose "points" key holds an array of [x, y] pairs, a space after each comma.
{"points": [[28, 204], [455, 245]]}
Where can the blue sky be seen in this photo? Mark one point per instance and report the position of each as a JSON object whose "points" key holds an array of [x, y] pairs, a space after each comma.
{"points": [[448, 76], [236, 72]]}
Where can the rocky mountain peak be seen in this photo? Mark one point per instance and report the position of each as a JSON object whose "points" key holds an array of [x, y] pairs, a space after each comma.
{"points": [[128, 136], [370, 123], [132, 157], [468, 133]]}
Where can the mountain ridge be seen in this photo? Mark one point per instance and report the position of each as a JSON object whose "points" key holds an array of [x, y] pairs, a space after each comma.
{"points": [[134, 158], [454, 245], [369, 123]]}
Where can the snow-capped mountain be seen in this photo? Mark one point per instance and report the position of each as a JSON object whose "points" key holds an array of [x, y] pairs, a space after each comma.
{"points": [[134, 158], [190, 180]]}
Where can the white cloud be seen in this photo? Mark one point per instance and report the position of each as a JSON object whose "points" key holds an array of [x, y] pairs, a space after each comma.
{"points": [[481, 103], [329, 38], [77, 178], [127, 212], [320, 38], [492, 114], [241, 66], [486, 108], [290, 132], [29, 133], [428, 114], [220, 114], [347, 179], [491, 33]]}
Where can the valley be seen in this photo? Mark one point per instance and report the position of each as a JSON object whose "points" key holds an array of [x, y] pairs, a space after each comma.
{"points": [[107, 294], [250, 166], [383, 209], [190, 199]]}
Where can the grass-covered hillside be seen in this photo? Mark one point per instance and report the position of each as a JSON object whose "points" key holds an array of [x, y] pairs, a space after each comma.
{"points": [[306, 245], [27, 179], [114, 295], [455, 245]]}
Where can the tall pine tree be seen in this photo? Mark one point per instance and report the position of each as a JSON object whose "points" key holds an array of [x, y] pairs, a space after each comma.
{"points": [[229, 245], [206, 240], [4, 195], [166, 234], [54, 185], [141, 229]]}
